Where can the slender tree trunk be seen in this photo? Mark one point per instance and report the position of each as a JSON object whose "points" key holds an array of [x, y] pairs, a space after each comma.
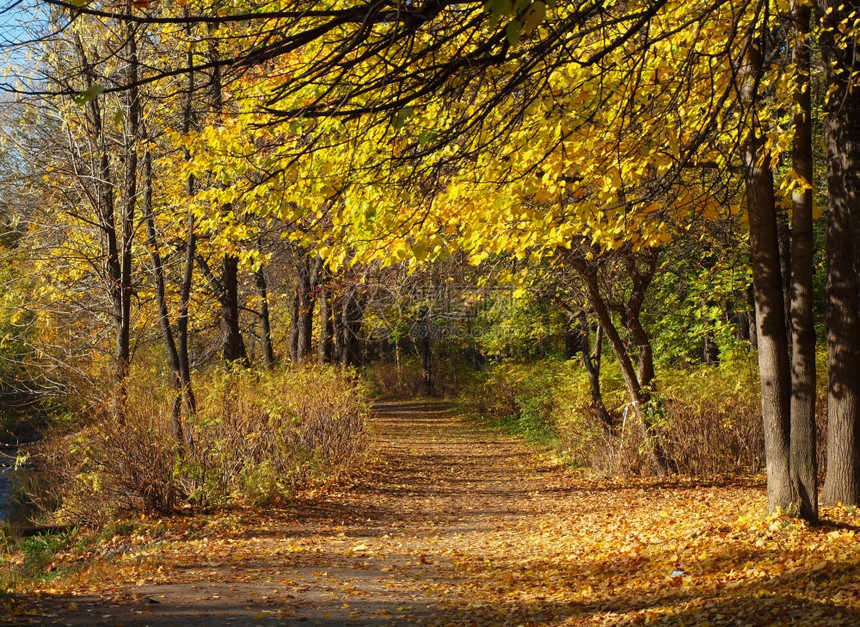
{"points": [[265, 322], [641, 280], [294, 329], [325, 349], [774, 368], [752, 325], [234, 345], [803, 462], [710, 351], [426, 352], [398, 362], [353, 314], [339, 345], [161, 299], [638, 395], [105, 210], [129, 205], [301, 337], [182, 343], [842, 135], [593, 372]]}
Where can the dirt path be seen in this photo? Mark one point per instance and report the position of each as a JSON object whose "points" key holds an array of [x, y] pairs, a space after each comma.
{"points": [[457, 525], [379, 553]]}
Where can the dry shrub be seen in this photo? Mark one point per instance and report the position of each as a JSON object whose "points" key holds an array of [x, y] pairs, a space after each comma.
{"points": [[586, 441], [115, 461], [706, 419], [262, 435], [711, 419], [709, 436], [257, 436], [387, 380]]}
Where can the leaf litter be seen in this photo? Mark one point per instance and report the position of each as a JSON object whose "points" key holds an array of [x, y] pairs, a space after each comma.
{"points": [[453, 524]]}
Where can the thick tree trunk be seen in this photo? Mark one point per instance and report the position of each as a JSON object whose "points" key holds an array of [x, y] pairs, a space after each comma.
{"points": [[265, 321], [769, 305], [234, 345], [842, 134], [803, 462], [783, 230]]}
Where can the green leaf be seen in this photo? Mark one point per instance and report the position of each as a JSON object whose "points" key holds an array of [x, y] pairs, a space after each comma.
{"points": [[498, 7], [520, 6], [513, 32], [535, 15], [91, 92], [427, 137], [117, 117], [400, 117]]}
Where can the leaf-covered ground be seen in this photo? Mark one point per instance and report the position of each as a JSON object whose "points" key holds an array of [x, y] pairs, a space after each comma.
{"points": [[457, 525]]}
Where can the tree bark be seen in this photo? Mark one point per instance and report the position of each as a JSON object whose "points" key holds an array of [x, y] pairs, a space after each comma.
{"points": [[803, 462], [182, 340], [426, 352], [353, 314], [234, 345], [265, 321], [301, 333], [105, 210], [842, 138], [339, 344], [641, 280], [592, 369], [325, 349], [131, 140], [774, 369]]}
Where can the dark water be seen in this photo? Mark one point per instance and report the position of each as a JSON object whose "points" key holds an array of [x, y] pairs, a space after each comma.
{"points": [[7, 465]]}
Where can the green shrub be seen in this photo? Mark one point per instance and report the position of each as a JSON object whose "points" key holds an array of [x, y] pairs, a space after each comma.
{"points": [[520, 399]]}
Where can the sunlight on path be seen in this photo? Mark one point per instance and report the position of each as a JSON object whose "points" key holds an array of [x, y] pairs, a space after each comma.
{"points": [[454, 524]]}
